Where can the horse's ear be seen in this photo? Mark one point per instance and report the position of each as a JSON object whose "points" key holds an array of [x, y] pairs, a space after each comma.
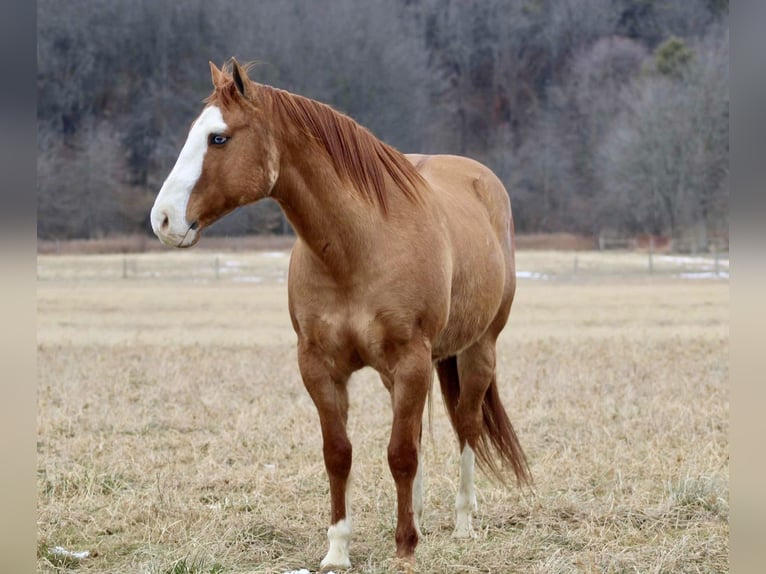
{"points": [[216, 75], [241, 80]]}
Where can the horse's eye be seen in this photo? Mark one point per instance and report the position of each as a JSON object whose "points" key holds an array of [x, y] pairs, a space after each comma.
{"points": [[217, 139]]}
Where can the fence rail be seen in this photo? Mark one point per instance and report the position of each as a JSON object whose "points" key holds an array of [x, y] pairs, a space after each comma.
{"points": [[271, 266], [246, 267], [595, 264]]}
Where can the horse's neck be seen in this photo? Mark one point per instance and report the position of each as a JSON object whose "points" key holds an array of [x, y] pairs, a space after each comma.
{"points": [[333, 221]]}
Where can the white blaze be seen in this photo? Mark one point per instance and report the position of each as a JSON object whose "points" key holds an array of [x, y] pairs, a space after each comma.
{"points": [[171, 202]]}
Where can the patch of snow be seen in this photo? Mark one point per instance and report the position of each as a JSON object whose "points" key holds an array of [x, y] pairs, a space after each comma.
{"points": [[248, 279], [64, 553], [707, 261], [530, 275], [274, 254], [705, 275]]}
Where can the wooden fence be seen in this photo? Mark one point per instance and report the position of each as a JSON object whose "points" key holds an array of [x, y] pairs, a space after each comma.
{"points": [[271, 267]]}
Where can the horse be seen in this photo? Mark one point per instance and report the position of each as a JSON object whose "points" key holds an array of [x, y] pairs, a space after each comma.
{"points": [[403, 263]]}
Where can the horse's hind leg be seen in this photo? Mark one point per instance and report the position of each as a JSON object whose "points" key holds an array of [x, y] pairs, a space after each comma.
{"points": [[481, 423], [330, 395], [417, 488], [476, 371]]}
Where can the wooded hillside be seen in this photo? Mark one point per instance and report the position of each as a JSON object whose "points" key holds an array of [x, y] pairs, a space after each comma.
{"points": [[597, 114]]}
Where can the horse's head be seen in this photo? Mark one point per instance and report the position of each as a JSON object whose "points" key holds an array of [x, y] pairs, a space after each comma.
{"points": [[229, 160]]}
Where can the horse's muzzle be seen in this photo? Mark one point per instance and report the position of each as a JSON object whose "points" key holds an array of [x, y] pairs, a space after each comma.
{"points": [[174, 235]]}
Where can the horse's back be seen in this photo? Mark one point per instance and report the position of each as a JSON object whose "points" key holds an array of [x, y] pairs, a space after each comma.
{"points": [[454, 175]]}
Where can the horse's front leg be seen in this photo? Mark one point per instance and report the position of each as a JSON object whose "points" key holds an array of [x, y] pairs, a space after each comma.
{"points": [[329, 392], [409, 392]]}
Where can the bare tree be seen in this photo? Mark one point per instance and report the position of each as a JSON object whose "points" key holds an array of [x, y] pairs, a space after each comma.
{"points": [[79, 185], [530, 87], [665, 163]]}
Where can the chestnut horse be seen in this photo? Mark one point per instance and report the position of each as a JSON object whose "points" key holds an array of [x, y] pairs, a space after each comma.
{"points": [[402, 263]]}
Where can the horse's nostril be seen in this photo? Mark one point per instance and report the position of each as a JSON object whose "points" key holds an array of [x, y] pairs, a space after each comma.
{"points": [[165, 223]]}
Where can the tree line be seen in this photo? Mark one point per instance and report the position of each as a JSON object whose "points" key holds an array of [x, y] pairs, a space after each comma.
{"points": [[597, 114]]}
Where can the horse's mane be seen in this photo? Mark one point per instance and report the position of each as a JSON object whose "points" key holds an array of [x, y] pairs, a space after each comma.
{"points": [[355, 152]]}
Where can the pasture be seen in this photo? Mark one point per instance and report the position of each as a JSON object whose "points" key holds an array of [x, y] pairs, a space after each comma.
{"points": [[175, 436]]}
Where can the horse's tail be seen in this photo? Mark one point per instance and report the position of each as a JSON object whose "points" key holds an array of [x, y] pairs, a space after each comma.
{"points": [[497, 432]]}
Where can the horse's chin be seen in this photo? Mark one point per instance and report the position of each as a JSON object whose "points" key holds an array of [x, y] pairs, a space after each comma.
{"points": [[189, 239]]}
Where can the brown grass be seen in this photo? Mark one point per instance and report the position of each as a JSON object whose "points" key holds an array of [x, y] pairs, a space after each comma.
{"points": [[174, 434]]}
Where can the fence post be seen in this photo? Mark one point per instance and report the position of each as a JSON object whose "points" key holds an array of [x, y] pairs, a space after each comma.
{"points": [[217, 268], [717, 261], [576, 263], [651, 253]]}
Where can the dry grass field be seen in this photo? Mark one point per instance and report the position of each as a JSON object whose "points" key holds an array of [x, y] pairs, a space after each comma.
{"points": [[175, 437]]}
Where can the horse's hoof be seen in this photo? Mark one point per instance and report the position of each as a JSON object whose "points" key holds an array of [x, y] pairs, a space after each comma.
{"points": [[327, 567], [464, 533], [404, 565]]}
